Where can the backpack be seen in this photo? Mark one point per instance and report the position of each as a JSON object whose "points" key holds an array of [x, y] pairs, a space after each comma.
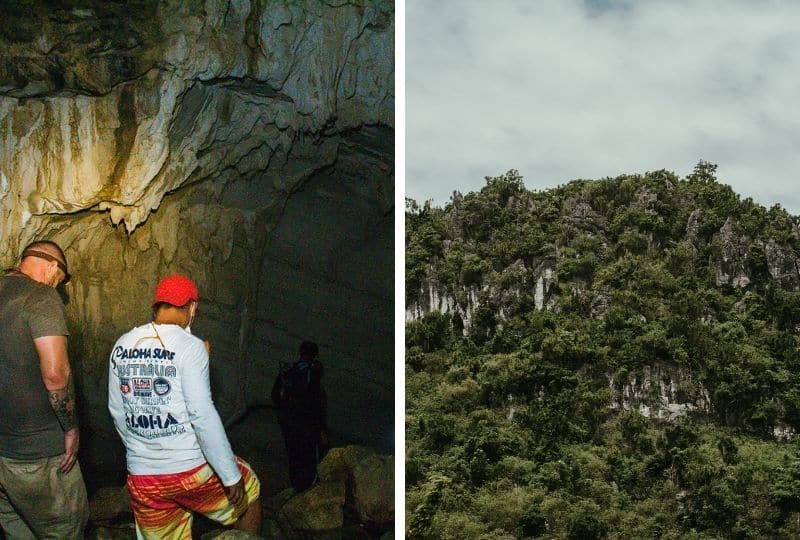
{"points": [[297, 388]]}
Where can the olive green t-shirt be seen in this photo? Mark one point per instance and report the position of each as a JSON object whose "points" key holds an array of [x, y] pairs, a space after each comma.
{"points": [[29, 428]]}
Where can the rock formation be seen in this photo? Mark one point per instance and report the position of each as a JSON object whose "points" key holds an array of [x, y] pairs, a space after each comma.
{"points": [[355, 485], [248, 144], [741, 248], [659, 391]]}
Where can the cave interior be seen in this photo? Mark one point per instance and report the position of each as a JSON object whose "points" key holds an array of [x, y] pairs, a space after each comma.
{"points": [[247, 145]]}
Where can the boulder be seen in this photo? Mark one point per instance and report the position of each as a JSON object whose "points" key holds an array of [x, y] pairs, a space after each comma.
{"points": [[338, 463], [369, 477], [373, 488], [354, 481], [318, 509]]}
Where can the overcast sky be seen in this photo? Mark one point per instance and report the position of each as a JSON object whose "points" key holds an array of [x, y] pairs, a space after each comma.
{"points": [[566, 89]]}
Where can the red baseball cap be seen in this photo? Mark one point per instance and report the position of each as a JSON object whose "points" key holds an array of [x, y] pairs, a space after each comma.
{"points": [[176, 290]]}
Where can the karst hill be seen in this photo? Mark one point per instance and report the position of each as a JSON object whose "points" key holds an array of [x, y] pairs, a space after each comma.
{"points": [[613, 356]]}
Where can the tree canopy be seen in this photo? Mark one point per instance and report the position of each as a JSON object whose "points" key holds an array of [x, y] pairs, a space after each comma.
{"points": [[541, 312]]}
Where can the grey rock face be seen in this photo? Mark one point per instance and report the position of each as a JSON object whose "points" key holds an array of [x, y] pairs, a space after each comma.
{"points": [[579, 210], [732, 257], [782, 264], [581, 214], [693, 224], [659, 391], [645, 198], [502, 290]]}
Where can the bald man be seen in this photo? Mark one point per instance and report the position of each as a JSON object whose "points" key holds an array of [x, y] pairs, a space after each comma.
{"points": [[42, 494]]}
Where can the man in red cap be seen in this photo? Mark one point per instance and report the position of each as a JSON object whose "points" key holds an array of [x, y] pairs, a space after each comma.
{"points": [[179, 458]]}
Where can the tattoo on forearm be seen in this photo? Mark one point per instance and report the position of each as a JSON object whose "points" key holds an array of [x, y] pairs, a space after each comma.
{"points": [[63, 402]]}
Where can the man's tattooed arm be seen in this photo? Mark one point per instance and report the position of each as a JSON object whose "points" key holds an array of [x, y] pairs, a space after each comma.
{"points": [[63, 402]]}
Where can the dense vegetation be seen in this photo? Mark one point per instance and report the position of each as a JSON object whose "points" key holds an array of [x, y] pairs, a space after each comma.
{"points": [[514, 425]]}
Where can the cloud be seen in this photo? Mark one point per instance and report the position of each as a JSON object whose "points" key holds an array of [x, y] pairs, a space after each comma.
{"points": [[565, 89]]}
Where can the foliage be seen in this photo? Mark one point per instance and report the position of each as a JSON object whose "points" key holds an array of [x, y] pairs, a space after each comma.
{"points": [[514, 427]]}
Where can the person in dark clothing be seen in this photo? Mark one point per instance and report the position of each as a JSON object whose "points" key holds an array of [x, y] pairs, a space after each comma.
{"points": [[42, 494], [300, 399]]}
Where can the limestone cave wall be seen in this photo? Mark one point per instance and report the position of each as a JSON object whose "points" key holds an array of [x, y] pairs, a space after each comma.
{"points": [[247, 144]]}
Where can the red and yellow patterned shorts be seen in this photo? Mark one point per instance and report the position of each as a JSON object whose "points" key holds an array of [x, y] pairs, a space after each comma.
{"points": [[163, 503]]}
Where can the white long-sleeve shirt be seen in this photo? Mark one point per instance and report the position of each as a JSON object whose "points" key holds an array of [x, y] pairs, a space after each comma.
{"points": [[160, 399]]}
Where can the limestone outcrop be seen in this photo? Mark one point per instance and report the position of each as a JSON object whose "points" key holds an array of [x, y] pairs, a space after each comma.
{"points": [[620, 253], [659, 391]]}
